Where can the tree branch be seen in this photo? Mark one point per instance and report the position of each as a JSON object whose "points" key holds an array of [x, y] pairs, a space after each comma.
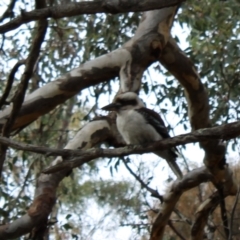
{"points": [[170, 224], [224, 132], [22, 88], [30, 62], [10, 82], [198, 111], [223, 211], [9, 10], [153, 192], [87, 7], [148, 42], [232, 215], [93, 133], [190, 180]]}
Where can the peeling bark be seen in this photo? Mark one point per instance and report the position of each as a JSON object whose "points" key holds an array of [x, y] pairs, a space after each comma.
{"points": [[130, 62], [54, 93]]}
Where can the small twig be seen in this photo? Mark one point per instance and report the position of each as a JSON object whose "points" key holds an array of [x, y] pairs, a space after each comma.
{"points": [[180, 215], [175, 230], [210, 228], [223, 211], [154, 193], [232, 214], [10, 82], [25, 180], [134, 224], [9, 11]]}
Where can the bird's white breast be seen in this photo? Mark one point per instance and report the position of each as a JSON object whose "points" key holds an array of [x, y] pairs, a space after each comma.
{"points": [[134, 128]]}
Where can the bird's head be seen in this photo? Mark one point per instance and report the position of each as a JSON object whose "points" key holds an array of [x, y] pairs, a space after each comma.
{"points": [[124, 101]]}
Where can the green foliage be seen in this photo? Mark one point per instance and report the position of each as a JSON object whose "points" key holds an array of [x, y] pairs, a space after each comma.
{"points": [[214, 47]]}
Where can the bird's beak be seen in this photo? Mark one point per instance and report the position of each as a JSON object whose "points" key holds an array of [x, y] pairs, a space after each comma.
{"points": [[111, 107]]}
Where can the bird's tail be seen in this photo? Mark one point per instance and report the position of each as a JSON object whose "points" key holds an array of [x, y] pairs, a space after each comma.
{"points": [[175, 168], [171, 160]]}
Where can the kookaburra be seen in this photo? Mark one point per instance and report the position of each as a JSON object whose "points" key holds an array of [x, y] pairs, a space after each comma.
{"points": [[139, 125]]}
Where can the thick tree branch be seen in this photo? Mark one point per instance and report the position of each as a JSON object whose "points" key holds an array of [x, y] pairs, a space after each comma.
{"points": [[183, 69], [224, 132], [147, 44], [202, 214], [223, 212], [88, 7], [170, 224], [56, 92]]}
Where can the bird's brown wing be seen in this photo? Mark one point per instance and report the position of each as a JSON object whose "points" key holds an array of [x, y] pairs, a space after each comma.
{"points": [[154, 120]]}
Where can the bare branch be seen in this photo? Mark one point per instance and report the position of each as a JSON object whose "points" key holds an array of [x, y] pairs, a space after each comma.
{"points": [[184, 70], [223, 211], [153, 192], [10, 82], [226, 131], [22, 88], [170, 224], [232, 214], [190, 180], [87, 7], [30, 62], [180, 66], [9, 11], [45, 195], [209, 205], [147, 43]]}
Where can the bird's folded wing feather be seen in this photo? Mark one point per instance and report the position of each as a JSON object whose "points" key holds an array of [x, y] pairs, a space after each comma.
{"points": [[155, 120]]}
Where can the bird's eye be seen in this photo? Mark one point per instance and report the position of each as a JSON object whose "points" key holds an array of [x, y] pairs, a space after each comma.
{"points": [[126, 102]]}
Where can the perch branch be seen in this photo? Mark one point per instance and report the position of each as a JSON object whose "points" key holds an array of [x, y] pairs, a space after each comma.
{"points": [[153, 192], [226, 131]]}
